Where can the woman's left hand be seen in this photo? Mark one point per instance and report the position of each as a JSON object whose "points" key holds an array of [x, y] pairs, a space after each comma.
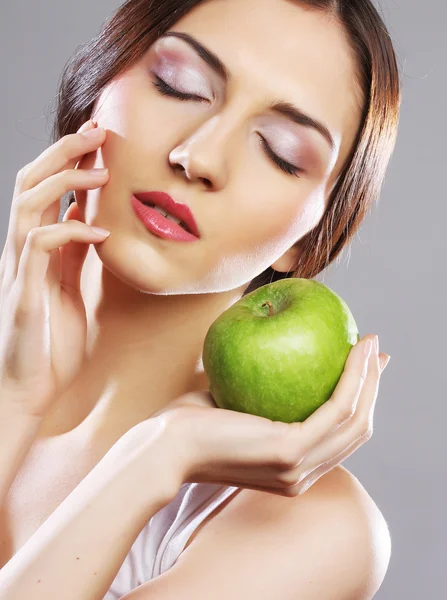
{"points": [[243, 450]]}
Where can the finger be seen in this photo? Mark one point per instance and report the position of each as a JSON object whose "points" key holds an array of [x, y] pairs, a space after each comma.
{"points": [[2, 271], [384, 360], [360, 427], [28, 212], [279, 490], [51, 214], [340, 406], [314, 475], [63, 154], [35, 258], [72, 257], [350, 436], [46, 164]]}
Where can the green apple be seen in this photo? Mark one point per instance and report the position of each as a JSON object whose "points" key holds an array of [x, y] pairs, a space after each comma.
{"points": [[279, 351]]}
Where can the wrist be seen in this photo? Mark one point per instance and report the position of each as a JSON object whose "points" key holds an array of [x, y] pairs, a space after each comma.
{"points": [[186, 452], [155, 448], [177, 450]]}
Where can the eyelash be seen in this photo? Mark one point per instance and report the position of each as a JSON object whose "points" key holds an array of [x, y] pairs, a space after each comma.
{"points": [[167, 90], [282, 164]]}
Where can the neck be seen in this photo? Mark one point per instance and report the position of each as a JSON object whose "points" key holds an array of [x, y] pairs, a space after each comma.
{"points": [[142, 352]]}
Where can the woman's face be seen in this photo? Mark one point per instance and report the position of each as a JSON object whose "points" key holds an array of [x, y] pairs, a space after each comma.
{"points": [[208, 152]]}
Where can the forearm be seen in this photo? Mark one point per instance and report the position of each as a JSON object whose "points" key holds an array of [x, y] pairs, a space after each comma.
{"points": [[77, 552], [17, 434]]}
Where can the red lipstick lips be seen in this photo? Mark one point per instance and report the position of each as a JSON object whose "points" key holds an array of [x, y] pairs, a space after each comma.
{"points": [[144, 204]]}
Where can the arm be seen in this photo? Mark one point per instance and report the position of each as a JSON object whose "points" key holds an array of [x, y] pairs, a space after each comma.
{"points": [[77, 552], [331, 543], [17, 433]]}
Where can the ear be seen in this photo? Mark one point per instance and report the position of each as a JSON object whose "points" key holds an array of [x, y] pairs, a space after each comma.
{"points": [[72, 212]]}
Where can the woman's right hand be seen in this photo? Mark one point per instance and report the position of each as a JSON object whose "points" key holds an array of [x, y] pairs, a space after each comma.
{"points": [[43, 325]]}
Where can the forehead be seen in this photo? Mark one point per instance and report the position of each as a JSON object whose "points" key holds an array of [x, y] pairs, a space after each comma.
{"points": [[280, 50]]}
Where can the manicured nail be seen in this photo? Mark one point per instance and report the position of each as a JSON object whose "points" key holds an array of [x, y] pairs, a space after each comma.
{"points": [[98, 172], [376, 343], [87, 125], [367, 347], [387, 360], [100, 231], [93, 133]]}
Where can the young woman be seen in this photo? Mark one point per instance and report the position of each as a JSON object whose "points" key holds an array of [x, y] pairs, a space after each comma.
{"points": [[273, 121]]}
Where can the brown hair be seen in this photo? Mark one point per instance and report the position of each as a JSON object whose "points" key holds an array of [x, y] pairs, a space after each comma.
{"points": [[128, 33]]}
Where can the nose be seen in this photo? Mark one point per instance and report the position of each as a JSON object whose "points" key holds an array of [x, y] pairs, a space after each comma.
{"points": [[202, 157], [193, 169]]}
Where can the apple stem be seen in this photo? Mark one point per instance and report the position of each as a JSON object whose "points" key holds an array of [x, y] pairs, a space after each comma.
{"points": [[270, 305]]}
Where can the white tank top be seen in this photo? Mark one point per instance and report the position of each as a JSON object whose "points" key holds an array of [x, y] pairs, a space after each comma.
{"points": [[164, 537]]}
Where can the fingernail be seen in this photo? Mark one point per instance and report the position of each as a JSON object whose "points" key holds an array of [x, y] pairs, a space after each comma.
{"points": [[93, 133], [376, 343], [98, 172], [100, 231], [85, 126], [367, 346], [387, 360]]}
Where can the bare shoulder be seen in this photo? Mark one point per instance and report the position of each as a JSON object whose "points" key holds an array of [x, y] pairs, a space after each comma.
{"points": [[356, 528], [329, 543], [338, 521], [349, 492], [341, 487]]}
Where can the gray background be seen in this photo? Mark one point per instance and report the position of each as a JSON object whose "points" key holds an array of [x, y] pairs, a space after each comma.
{"points": [[393, 278]]}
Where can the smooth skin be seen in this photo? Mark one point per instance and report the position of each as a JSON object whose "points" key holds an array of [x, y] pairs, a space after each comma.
{"points": [[128, 315], [36, 372], [91, 527]]}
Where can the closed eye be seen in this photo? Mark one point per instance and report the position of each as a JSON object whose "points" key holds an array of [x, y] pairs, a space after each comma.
{"points": [[167, 90], [282, 164]]}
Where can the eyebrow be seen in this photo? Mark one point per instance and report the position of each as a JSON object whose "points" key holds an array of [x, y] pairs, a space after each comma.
{"points": [[284, 108]]}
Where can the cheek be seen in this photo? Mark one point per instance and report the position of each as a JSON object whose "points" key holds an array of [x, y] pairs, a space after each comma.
{"points": [[132, 150], [249, 242], [111, 112], [311, 211], [135, 110], [123, 108], [273, 226]]}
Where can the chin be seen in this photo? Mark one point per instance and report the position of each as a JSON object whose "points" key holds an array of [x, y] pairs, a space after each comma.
{"points": [[139, 267]]}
